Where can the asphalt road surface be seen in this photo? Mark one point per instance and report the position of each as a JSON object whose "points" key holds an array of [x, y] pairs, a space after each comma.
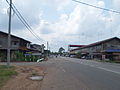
{"points": [[65, 73], [75, 74]]}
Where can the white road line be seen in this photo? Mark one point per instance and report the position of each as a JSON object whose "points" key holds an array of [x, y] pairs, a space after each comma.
{"points": [[116, 72], [103, 68], [92, 65], [109, 70], [63, 70]]}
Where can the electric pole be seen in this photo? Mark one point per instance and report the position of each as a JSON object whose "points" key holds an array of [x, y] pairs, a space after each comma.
{"points": [[9, 35], [47, 48]]}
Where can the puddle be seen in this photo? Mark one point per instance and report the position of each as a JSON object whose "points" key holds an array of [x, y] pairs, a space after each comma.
{"points": [[36, 78]]}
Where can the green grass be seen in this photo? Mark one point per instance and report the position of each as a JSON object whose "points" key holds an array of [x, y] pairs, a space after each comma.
{"points": [[6, 73]]}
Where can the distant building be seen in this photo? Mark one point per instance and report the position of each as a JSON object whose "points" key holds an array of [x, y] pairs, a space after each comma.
{"points": [[71, 47], [106, 49], [74, 49], [37, 50], [17, 44], [36, 47]]}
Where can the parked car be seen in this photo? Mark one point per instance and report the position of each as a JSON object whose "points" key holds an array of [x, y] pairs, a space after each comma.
{"points": [[83, 57]]}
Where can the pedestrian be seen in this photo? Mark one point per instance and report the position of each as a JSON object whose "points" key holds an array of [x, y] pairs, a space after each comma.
{"points": [[56, 56]]}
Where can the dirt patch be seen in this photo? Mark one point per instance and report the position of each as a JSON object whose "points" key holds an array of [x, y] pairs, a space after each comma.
{"points": [[22, 81]]}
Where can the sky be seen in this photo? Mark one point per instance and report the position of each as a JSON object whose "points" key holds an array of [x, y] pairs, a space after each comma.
{"points": [[63, 22]]}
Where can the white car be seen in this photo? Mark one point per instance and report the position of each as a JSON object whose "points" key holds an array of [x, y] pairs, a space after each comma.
{"points": [[39, 60]]}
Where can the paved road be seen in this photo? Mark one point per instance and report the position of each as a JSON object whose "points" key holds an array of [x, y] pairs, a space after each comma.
{"points": [[76, 74]]}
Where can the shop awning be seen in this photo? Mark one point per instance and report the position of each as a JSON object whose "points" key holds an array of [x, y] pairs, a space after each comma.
{"points": [[112, 50]]}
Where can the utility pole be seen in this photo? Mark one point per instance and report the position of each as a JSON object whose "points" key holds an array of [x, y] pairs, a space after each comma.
{"points": [[9, 35], [47, 48]]}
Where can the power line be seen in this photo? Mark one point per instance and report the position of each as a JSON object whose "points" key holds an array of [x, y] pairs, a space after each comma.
{"points": [[24, 21], [30, 29], [97, 7]]}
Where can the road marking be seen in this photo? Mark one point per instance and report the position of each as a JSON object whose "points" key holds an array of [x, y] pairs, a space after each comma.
{"points": [[63, 70], [96, 66], [102, 68], [109, 70], [92, 65]]}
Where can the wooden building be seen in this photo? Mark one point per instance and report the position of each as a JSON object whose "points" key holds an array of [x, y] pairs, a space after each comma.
{"points": [[106, 49], [17, 44]]}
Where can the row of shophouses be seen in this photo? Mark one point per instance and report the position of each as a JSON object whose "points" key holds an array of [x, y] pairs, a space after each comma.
{"points": [[108, 49], [19, 47]]}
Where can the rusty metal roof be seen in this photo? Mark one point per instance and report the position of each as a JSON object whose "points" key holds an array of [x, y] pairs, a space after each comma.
{"points": [[15, 36]]}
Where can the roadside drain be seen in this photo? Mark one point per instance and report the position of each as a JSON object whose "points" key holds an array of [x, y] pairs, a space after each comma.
{"points": [[36, 78]]}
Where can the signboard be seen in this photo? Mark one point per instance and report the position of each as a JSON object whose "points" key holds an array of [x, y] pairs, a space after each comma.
{"points": [[27, 54], [36, 54]]}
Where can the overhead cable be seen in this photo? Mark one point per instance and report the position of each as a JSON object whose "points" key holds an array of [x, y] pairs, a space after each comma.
{"points": [[114, 11], [24, 21]]}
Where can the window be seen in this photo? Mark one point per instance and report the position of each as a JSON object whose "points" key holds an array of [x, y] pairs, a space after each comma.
{"points": [[28, 45], [0, 42], [14, 43]]}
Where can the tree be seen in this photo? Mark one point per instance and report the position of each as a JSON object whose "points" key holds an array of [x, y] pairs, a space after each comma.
{"points": [[61, 50], [78, 55]]}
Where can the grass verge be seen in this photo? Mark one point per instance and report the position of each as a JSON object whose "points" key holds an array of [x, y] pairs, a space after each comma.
{"points": [[6, 73]]}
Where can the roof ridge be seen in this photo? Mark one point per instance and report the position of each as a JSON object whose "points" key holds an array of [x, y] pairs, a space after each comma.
{"points": [[14, 36]]}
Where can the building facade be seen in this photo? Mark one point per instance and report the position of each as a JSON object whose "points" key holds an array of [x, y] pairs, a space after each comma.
{"points": [[17, 45], [106, 49]]}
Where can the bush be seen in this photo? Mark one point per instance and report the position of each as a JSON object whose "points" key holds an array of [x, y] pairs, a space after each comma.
{"points": [[78, 55], [20, 56]]}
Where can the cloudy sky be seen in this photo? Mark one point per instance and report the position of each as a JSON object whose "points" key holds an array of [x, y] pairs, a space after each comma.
{"points": [[63, 22]]}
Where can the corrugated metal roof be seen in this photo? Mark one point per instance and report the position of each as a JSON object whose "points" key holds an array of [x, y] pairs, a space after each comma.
{"points": [[100, 42], [76, 45], [93, 44], [14, 36]]}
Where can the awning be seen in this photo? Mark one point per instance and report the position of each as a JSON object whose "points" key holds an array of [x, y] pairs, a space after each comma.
{"points": [[112, 50]]}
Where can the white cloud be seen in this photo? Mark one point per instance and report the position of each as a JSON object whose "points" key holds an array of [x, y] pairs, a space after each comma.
{"points": [[4, 10], [116, 4], [62, 4], [101, 4]]}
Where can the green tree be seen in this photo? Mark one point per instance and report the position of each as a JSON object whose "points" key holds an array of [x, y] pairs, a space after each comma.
{"points": [[78, 55], [61, 50]]}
